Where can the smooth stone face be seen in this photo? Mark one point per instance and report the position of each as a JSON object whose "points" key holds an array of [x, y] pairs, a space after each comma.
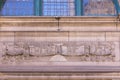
{"points": [[64, 50], [58, 58]]}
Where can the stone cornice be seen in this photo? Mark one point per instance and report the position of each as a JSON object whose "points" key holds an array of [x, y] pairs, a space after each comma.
{"points": [[59, 69], [61, 24]]}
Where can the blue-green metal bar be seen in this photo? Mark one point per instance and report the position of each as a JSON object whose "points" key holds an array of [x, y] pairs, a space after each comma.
{"points": [[78, 7], [38, 7], [2, 2], [117, 6]]}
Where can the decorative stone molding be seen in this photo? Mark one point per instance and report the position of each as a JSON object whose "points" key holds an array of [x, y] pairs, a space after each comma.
{"points": [[84, 51], [65, 24], [80, 41]]}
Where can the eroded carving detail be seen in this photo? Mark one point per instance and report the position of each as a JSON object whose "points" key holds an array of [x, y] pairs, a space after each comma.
{"points": [[84, 51]]}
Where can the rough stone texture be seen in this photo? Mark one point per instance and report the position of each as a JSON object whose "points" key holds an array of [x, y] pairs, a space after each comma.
{"points": [[80, 39], [77, 41], [83, 51], [62, 76]]}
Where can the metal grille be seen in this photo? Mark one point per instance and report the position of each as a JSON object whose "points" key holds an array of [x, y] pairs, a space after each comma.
{"points": [[99, 8], [58, 8], [17, 8]]}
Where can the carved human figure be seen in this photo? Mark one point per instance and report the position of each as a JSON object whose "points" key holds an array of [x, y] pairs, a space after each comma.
{"points": [[25, 46], [80, 50], [58, 48], [35, 51], [2, 49], [108, 50], [14, 50], [44, 51], [51, 49], [102, 50], [64, 50], [92, 50]]}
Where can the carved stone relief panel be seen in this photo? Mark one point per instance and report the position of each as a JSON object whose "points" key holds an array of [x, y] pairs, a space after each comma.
{"points": [[81, 51]]}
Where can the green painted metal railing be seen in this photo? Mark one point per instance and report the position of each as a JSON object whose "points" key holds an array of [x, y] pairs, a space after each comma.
{"points": [[117, 6], [78, 7], [38, 7], [2, 2]]}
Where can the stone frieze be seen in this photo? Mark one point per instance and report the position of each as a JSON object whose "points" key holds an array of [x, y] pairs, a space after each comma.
{"points": [[84, 51]]}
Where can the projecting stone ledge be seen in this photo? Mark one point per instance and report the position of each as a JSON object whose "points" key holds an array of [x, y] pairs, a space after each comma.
{"points": [[56, 76], [60, 69], [65, 24]]}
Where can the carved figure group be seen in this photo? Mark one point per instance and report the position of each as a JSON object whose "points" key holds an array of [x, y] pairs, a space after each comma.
{"points": [[46, 49]]}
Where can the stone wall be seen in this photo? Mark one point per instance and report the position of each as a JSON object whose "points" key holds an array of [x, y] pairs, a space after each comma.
{"points": [[77, 47], [75, 39], [71, 48]]}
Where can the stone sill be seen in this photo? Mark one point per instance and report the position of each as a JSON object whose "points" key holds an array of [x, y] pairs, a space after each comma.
{"points": [[59, 24], [61, 19], [60, 69]]}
